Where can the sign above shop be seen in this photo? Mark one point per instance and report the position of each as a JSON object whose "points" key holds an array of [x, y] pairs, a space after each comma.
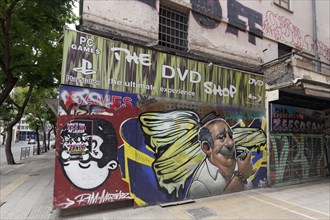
{"points": [[96, 62]]}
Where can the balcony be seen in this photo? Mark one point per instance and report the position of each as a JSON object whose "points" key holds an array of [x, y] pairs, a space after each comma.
{"points": [[300, 77]]}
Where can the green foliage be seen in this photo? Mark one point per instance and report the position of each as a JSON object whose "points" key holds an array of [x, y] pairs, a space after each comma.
{"points": [[30, 56], [37, 110], [33, 29], [9, 109], [7, 113]]}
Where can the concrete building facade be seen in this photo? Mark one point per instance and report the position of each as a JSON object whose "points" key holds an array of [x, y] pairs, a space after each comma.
{"points": [[260, 67]]}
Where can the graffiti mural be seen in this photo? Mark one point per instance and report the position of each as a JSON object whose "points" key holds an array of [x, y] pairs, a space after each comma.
{"points": [[282, 29], [87, 169], [295, 157], [136, 124], [208, 14], [88, 151], [296, 120], [84, 101], [180, 156], [296, 143], [236, 10]]}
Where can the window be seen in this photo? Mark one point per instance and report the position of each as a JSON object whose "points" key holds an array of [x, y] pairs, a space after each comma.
{"points": [[173, 27], [283, 49], [284, 3]]}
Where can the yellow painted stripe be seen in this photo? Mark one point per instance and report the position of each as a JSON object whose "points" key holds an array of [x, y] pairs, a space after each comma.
{"points": [[5, 191]]}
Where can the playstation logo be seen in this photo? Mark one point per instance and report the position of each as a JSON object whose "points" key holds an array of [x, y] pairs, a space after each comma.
{"points": [[86, 68]]}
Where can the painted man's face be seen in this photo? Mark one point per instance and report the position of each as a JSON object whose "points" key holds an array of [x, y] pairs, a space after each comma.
{"points": [[81, 156], [83, 171], [222, 154]]}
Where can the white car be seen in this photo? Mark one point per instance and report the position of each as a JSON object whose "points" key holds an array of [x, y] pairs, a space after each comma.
{"points": [[32, 141]]}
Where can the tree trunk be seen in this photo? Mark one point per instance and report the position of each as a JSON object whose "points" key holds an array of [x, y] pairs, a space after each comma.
{"points": [[48, 137], [8, 88], [3, 137], [38, 143], [11, 124], [44, 140], [54, 128], [9, 154]]}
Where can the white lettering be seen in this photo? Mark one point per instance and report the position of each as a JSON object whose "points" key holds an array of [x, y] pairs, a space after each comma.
{"points": [[169, 73], [182, 77], [100, 197], [144, 59], [255, 82], [199, 78], [164, 75], [82, 40], [90, 42], [210, 88]]}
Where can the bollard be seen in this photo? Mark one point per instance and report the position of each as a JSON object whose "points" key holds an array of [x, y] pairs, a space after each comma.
{"points": [[25, 152], [34, 149], [22, 151]]}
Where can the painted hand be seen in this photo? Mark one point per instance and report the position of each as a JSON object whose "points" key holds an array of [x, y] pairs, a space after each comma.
{"points": [[245, 166]]}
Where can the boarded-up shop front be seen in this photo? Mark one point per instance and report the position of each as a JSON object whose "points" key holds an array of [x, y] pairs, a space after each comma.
{"points": [[296, 145], [138, 124]]}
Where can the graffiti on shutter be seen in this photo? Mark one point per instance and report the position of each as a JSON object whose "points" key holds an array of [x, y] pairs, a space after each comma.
{"points": [[295, 158]]}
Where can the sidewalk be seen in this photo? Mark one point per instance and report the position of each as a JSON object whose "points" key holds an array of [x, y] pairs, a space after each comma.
{"points": [[26, 192]]}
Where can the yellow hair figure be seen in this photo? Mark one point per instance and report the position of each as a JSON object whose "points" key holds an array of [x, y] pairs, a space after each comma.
{"points": [[174, 139]]}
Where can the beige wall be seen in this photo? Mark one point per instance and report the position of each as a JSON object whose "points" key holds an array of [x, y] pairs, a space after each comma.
{"points": [[138, 20], [127, 18]]}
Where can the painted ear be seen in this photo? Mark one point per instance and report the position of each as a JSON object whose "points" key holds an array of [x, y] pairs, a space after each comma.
{"points": [[112, 165], [206, 148], [204, 135]]}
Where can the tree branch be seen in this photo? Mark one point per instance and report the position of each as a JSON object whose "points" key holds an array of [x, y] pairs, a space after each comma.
{"points": [[13, 4], [11, 101], [5, 60], [9, 85], [23, 65], [21, 108]]}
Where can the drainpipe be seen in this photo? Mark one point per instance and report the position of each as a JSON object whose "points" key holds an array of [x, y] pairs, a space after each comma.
{"points": [[317, 66]]}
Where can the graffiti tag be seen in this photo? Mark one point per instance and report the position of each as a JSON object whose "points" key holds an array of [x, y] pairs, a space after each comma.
{"points": [[144, 59], [95, 198], [282, 29]]}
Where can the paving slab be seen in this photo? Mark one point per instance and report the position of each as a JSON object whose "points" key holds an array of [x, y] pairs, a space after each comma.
{"points": [[26, 192]]}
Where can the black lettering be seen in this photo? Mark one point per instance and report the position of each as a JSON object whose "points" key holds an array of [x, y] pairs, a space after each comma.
{"points": [[236, 9], [208, 14]]}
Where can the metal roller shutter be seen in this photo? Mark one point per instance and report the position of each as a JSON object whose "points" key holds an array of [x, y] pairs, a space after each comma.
{"points": [[295, 158]]}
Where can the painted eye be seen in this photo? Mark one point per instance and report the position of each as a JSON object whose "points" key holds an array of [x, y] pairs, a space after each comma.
{"points": [[221, 137], [65, 155], [85, 156]]}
